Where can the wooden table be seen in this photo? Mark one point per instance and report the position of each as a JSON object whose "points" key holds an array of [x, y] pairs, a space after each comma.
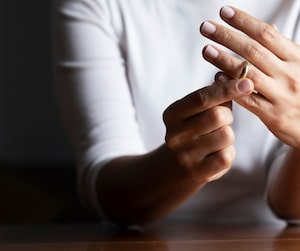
{"points": [[161, 237]]}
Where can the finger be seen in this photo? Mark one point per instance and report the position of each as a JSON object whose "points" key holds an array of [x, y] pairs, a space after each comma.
{"points": [[255, 102], [266, 34], [191, 152], [232, 66], [202, 124], [208, 121], [225, 62], [206, 98], [215, 165], [258, 105], [244, 46]]}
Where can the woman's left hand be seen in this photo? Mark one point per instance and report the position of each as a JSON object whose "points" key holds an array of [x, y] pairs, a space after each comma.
{"points": [[274, 69]]}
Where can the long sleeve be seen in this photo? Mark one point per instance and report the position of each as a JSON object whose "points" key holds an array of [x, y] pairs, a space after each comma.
{"points": [[92, 89]]}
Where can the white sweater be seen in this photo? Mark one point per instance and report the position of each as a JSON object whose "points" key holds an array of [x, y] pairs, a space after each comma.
{"points": [[122, 62]]}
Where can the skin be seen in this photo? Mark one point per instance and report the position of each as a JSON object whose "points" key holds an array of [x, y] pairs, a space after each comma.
{"points": [[275, 74], [142, 189]]}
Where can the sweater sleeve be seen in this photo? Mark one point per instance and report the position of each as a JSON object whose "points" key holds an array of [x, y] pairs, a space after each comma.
{"points": [[92, 89]]}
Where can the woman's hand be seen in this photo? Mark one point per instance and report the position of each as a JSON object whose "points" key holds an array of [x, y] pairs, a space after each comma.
{"points": [[199, 129], [274, 69]]}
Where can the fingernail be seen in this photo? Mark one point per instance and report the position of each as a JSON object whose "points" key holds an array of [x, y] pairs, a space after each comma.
{"points": [[222, 78], [210, 52], [245, 86], [208, 28], [227, 12]]}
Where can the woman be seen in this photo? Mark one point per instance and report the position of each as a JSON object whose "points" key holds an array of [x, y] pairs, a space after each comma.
{"points": [[159, 132]]}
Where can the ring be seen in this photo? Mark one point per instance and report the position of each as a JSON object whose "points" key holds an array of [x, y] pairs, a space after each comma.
{"points": [[245, 69]]}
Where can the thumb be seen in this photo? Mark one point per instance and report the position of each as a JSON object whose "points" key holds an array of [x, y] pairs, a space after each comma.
{"points": [[241, 86], [245, 86]]}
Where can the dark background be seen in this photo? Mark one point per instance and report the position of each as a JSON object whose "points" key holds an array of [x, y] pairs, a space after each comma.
{"points": [[37, 173]]}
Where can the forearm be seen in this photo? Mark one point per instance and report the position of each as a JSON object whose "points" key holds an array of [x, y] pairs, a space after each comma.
{"points": [[284, 187], [142, 189]]}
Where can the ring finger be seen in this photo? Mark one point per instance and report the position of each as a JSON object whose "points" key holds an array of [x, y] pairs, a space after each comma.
{"points": [[232, 66]]}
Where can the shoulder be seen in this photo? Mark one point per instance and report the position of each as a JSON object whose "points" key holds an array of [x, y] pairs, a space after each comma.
{"points": [[82, 8], [98, 7]]}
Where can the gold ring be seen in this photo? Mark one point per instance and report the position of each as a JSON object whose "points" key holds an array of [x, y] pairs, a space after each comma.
{"points": [[245, 69]]}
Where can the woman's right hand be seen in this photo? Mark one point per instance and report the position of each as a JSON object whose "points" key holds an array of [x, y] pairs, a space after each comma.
{"points": [[198, 128]]}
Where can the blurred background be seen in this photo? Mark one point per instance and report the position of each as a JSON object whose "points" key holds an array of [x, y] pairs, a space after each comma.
{"points": [[37, 173]]}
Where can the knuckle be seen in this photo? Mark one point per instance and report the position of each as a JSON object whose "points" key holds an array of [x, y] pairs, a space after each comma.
{"points": [[181, 153], [201, 98], [172, 141], [293, 85], [216, 166], [218, 116], [225, 35], [255, 51], [226, 134], [215, 116], [279, 121], [268, 33], [225, 158], [258, 79], [225, 91], [184, 159], [297, 56], [253, 102]]}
